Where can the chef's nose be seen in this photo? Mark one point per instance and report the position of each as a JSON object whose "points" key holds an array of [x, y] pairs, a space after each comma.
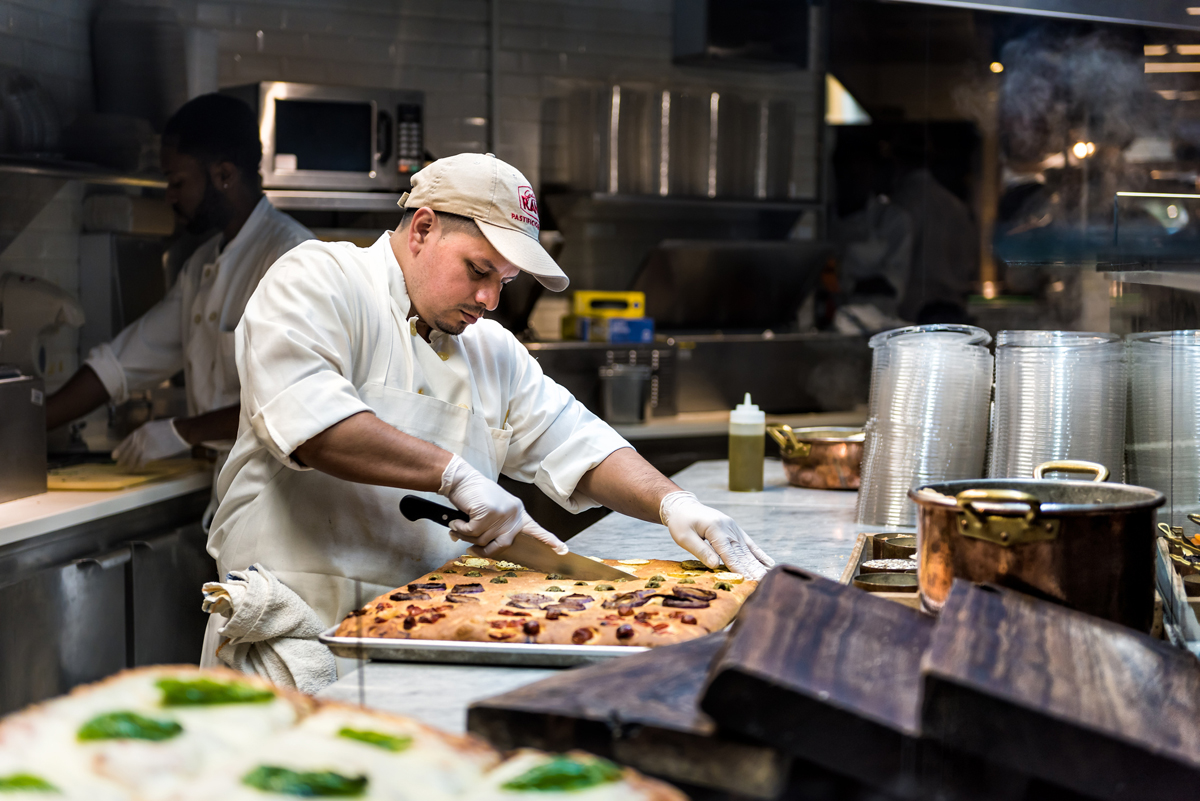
{"points": [[488, 295]]}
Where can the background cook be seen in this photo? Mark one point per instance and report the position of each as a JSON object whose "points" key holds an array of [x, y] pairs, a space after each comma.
{"points": [[368, 373], [210, 155]]}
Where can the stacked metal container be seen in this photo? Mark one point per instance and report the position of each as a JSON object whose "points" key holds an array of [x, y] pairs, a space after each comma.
{"points": [[1059, 395], [1163, 446], [928, 416]]}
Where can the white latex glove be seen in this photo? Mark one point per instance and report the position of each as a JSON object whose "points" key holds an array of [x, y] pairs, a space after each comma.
{"points": [[157, 439], [496, 516], [712, 536]]}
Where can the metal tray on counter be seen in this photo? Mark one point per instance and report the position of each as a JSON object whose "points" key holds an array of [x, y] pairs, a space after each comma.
{"points": [[508, 654]]}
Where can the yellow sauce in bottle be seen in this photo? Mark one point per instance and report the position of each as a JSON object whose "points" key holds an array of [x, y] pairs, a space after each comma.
{"points": [[747, 447]]}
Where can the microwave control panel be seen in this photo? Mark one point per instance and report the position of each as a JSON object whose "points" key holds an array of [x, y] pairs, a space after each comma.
{"points": [[410, 147]]}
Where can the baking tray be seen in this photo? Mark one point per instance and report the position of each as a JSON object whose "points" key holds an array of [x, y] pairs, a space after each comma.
{"points": [[524, 654]]}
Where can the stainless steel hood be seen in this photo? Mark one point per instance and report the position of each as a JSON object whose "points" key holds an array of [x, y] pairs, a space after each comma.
{"points": [[1154, 13]]}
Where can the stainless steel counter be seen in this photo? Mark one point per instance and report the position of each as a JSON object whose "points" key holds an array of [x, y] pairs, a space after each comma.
{"points": [[810, 528]]}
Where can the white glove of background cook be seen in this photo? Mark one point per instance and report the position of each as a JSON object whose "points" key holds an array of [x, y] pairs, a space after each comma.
{"points": [[496, 516], [157, 439], [712, 536]]}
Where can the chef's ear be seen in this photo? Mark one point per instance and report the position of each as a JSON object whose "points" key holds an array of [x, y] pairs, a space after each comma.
{"points": [[223, 174], [424, 223]]}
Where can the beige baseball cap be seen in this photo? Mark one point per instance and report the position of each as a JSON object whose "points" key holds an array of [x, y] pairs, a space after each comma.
{"points": [[498, 198]]}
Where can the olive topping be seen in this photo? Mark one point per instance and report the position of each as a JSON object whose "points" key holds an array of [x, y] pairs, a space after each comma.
{"points": [[552, 613], [509, 574], [531, 628], [436, 586], [455, 572], [625, 632], [581, 584], [687, 581], [653, 585], [498, 580], [582, 635], [724, 585], [555, 588], [605, 587], [467, 588], [554, 577], [693, 564], [688, 619], [657, 578], [435, 577], [408, 596], [473, 574]]}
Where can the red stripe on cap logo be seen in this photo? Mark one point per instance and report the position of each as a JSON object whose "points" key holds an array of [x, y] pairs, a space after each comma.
{"points": [[528, 204]]}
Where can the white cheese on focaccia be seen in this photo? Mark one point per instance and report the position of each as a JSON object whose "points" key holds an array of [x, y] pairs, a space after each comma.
{"points": [[149, 769], [413, 763], [629, 785], [68, 779]]}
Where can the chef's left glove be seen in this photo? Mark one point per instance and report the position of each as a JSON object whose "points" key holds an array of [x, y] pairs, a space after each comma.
{"points": [[496, 516], [157, 439], [712, 536]]}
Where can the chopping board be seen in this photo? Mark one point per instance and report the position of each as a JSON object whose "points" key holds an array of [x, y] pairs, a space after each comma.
{"points": [[1088, 704], [101, 477], [831, 674], [641, 711]]}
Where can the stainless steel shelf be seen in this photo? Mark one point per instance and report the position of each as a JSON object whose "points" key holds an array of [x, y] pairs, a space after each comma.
{"points": [[72, 171], [306, 200]]}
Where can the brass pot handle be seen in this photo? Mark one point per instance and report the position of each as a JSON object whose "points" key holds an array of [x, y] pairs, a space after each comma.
{"points": [[967, 498], [1099, 472], [783, 434]]}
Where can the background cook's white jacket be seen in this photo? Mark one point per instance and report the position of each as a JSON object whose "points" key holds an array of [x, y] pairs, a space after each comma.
{"points": [[192, 328], [305, 347]]}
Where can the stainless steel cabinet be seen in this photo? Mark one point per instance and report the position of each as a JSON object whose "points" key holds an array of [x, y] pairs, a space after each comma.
{"points": [[62, 626], [167, 573]]}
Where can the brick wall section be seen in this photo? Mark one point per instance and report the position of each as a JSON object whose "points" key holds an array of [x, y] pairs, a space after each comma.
{"points": [[49, 40]]}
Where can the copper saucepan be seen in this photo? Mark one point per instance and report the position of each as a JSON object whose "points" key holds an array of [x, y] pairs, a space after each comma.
{"points": [[1088, 545], [820, 457]]}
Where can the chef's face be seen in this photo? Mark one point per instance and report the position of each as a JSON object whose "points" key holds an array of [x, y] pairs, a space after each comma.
{"points": [[192, 193], [452, 276]]}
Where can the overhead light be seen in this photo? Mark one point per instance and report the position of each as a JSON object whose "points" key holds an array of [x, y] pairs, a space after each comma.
{"points": [[1187, 50], [1156, 50], [1091, 148], [996, 67], [1194, 10], [1173, 66], [1080, 150]]}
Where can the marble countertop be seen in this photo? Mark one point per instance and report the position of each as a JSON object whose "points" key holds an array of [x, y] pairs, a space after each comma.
{"points": [[812, 529]]}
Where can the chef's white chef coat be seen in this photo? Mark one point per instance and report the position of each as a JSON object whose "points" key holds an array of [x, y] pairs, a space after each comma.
{"points": [[192, 328], [331, 333]]}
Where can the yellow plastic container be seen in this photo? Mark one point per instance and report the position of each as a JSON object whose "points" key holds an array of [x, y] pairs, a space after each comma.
{"points": [[597, 303]]}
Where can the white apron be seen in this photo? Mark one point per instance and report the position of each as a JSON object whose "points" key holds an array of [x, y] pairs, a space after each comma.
{"points": [[318, 533]]}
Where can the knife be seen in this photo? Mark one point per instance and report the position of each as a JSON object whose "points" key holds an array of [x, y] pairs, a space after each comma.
{"points": [[525, 550]]}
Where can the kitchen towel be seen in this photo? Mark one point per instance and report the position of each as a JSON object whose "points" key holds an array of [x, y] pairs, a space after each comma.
{"points": [[270, 631]]}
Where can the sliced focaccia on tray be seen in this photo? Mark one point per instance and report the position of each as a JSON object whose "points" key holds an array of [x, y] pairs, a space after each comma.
{"points": [[474, 599], [578, 776]]}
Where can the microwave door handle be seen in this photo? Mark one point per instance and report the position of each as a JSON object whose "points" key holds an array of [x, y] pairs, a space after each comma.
{"points": [[383, 136]]}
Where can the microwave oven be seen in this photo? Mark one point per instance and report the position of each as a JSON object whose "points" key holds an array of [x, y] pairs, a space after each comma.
{"points": [[336, 138]]}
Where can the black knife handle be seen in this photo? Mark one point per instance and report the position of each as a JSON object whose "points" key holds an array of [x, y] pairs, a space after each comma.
{"points": [[417, 508]]}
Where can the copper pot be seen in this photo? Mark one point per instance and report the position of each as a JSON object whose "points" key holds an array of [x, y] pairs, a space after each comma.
{"points": [[1088, 545], [820, 458]]}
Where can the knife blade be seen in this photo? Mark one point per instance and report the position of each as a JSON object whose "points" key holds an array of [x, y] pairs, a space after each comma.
{"points": [[525, 550]]}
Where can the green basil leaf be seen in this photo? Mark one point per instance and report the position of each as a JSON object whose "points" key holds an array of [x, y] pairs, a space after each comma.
{"points": [[562, 773], [378, 739], [128, 726], [204, 692], [24, 783], [325, 783]]}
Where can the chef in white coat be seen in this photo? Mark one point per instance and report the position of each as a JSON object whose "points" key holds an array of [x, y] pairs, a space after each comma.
{"points": [[210, 156], [369, 373]]}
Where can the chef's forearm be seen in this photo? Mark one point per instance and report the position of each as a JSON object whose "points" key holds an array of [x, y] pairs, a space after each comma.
{"points": [[219, 424], [82, 393], [364, 449], [627, 483]]}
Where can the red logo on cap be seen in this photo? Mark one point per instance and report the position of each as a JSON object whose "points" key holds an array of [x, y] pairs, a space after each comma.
{"points": [[528, 203]]}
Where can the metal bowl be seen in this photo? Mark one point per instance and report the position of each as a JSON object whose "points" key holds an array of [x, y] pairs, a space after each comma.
{"points": [[827, 457]]}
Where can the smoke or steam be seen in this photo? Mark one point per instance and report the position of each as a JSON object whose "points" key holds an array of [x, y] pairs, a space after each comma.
{"points": [[1056, 91]]}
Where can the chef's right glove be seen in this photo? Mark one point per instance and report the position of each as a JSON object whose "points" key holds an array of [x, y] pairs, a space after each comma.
{"points": [[157, 439], [712, 536], [496, 516]]}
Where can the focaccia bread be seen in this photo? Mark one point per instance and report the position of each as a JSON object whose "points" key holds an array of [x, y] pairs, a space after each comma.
{"points": [[177, 733], [473, 599]]}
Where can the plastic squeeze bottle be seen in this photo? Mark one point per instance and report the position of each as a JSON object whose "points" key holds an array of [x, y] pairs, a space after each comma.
{"points": [[747, 441]]}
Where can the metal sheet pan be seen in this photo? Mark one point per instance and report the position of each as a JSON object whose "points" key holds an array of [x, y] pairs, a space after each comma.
{"points": [[472, 653]]}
